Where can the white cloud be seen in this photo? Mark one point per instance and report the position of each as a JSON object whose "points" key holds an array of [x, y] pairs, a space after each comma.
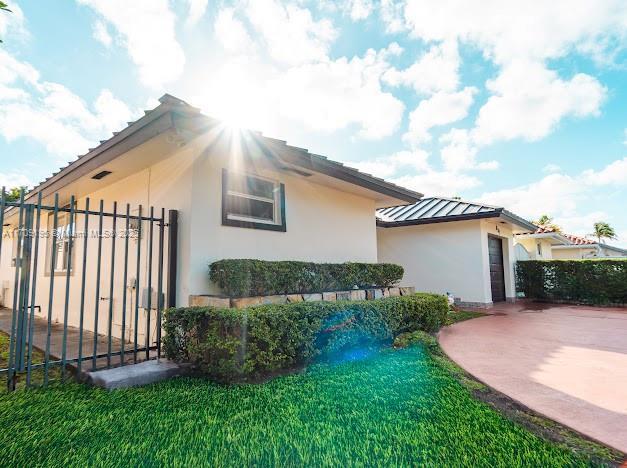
{"points": [[12, 70], [391, 12], [551, 168], [580, 224], [411, 169], [111, 113], [147, 29], [562, 196], [396, 164], [332, 95], [440, 109], [290, 33], [13, 24], [29, 120], [360, 9], [231, 32], [51, 114], [308, 88], [14, 179], [438, 183], [196, 10], [101, 34], [436, 70], [535, 30], [613, 174], [528, 101], [554, 194], [460, 154]]}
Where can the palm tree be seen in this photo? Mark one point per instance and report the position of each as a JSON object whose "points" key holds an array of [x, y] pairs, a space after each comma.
{"points": [[4, 7], [603, 230], [546, 221]]}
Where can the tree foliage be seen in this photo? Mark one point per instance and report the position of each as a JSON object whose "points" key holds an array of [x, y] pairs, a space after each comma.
{"points": [[13, 194], [545, 221], [249, 277], [599, 281], [233, 345], [4, 7], [603, 230]]}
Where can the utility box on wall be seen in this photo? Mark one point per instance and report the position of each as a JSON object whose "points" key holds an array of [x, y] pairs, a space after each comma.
{"points": [[153, 298]]}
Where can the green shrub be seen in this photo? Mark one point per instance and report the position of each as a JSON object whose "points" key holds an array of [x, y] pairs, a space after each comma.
{"points": [[246, 277], [602, 282], [247, 344]]}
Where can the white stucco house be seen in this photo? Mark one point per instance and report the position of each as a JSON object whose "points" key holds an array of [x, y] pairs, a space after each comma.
{"points": [[238, 194], [452, 246], [538, 244], [546, 244]]}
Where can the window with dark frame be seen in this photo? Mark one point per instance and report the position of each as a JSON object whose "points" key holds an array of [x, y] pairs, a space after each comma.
{"points": [[60, 242], [252, 201], [15, 238]]}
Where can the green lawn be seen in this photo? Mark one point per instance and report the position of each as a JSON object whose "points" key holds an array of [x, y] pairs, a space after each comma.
{"points": [[394, 408], [37, 375]]}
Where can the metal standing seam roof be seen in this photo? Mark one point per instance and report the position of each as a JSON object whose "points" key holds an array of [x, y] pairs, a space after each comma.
{"points": [[439, 209]]}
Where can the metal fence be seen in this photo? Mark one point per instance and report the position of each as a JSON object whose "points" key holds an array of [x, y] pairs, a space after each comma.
{"points": [[89, 286]]}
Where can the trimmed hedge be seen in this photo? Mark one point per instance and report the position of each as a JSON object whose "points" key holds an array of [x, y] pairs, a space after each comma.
{"points": [[600, 282], [247, 277], [249, 344]]}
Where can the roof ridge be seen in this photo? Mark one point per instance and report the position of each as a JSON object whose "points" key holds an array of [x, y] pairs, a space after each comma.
{"points": [[170, 103]]}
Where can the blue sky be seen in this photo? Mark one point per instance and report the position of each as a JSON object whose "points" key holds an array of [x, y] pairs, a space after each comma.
{"points": [[520, 105]]}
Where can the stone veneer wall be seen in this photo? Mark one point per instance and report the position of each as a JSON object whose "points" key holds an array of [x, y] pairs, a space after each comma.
{"points": [[352, 295]]}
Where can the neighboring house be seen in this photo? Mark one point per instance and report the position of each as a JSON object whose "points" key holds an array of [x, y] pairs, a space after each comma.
{"points": [[560, 246], [452, 246], [238, 195], [539, 244]]}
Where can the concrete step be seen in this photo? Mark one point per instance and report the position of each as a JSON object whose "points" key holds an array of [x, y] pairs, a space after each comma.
{"points": [[134, 375]]}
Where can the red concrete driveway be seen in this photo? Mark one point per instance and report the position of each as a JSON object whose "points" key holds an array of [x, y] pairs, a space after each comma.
{"points": [[566, 362]]}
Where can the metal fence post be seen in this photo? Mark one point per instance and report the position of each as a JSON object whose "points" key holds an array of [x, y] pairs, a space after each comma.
{"points": [[22, 313], [173, 216]]}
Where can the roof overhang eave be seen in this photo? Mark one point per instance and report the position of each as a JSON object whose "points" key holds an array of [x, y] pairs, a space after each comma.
{"points": [[554, 236]]}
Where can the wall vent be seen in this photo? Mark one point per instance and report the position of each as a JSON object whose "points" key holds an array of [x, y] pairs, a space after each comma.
{"points": [[101, 175]]}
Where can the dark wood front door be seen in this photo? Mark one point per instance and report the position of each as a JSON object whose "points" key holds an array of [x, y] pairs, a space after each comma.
{"points": [[497, 272]]}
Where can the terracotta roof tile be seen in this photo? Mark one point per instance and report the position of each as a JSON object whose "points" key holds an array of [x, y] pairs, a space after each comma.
{"points": [[575, 240]]}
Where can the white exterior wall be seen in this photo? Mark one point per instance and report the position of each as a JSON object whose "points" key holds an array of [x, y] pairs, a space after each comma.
{"points": [[576, 253], [323, 225], [448, 257], [531, 245], [158, 186], [6, 282], [586, 252]]}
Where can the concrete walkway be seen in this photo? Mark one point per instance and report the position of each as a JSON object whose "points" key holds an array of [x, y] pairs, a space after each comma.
{"points": [[40, 332], [566, 362]]}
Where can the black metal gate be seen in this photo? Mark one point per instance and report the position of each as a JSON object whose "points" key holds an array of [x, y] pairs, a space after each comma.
{"points": [[89, 286]]}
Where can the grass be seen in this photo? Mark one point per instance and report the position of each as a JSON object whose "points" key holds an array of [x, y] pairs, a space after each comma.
{"points": [[397, 407], [462, 315], [37, 375]]}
